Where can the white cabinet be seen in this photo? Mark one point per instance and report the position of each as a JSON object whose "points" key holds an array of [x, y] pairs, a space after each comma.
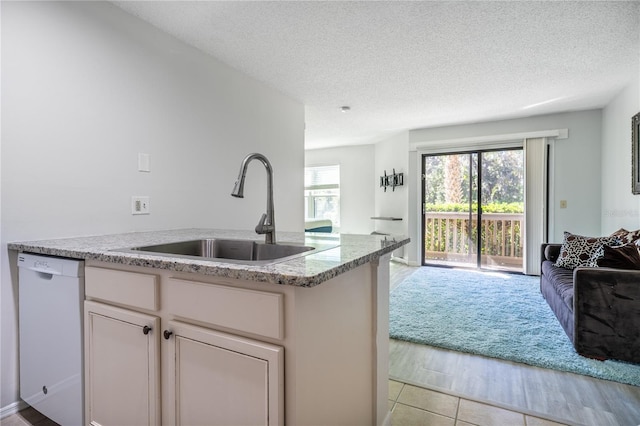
{"points": [[236, 351], [221, 379], [137, 351], [122, 366]]}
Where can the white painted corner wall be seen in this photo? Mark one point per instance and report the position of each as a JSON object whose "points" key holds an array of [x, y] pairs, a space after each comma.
{"points": [[357, 176], [393, 153], [620, 208], [85, 88], [361, 196]]}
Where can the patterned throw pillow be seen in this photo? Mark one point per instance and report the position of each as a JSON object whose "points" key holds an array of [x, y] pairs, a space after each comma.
{"points": [[577, 250], [620, 233], [627, 237]]}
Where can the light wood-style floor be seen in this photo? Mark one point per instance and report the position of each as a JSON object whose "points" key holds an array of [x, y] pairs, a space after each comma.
{"points": [[414, 405], [27, 417], [564, 397]]}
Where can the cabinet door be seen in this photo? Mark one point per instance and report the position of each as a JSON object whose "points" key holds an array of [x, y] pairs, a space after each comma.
{"points": [[221, 379], [122, 385]]}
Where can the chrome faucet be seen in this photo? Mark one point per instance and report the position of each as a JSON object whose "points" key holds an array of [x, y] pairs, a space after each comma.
{"points": [[266, 225]]}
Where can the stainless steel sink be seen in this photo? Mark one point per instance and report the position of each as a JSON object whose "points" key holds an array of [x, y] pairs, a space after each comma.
{"points": [[227, 250]]}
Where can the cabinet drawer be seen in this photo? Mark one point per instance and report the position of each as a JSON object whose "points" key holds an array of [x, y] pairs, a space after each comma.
{"points": [[127, 288], [251, 311]]}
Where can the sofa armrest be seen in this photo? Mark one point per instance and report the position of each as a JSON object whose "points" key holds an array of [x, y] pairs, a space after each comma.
{"points": [[550, 251], [606, 308]]}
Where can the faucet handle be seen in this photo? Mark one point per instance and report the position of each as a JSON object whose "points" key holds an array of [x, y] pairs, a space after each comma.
{"points": [[260, 228]]}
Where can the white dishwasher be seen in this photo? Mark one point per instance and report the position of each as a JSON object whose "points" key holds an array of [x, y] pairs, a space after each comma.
{"points": [[51, 293]]}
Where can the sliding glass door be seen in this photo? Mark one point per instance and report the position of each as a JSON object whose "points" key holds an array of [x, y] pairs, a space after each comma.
{"points": [[502, 196], [473, 204], [450, 212]]}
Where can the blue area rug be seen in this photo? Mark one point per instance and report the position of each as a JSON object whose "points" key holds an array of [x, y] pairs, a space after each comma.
{"points": [[492, 314]]}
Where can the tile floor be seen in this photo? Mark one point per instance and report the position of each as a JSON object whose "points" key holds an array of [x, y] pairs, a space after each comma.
{"points": [[412, 405]]}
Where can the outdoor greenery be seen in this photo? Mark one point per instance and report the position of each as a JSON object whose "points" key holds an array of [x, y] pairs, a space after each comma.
{"points": [[486, 208], [447, 178]]}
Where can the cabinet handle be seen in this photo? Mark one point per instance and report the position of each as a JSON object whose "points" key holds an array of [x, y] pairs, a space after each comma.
{"points": [[167, 334], [146, 330]]}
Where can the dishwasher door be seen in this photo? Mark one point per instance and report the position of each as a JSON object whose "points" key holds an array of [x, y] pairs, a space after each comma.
{"points": [[51, 293]]}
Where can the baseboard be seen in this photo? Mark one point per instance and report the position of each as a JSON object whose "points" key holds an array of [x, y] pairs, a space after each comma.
{"points": [[12, 409], [387, 419], [399, 259], [404, 261]]}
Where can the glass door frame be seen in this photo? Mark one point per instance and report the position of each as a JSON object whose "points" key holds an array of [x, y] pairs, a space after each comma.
{"points": [[478, 193]]}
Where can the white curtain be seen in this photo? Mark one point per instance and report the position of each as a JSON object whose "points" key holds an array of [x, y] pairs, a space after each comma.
{"points": [[535, 205]]}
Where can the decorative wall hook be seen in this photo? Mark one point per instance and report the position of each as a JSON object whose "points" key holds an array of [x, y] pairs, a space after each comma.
{"points": [[393, 180]]}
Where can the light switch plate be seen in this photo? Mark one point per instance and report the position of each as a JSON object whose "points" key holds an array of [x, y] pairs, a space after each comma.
{"points": [[563, 204], [144, 162]]}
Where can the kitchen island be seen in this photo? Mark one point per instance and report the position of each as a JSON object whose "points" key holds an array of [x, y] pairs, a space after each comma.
{"points": [[176, 339]]}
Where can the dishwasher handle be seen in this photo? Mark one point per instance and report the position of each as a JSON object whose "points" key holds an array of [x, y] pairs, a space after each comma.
{"points": [[50, 266]]}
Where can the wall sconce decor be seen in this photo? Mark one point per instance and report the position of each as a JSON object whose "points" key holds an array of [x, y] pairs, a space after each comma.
{"points": [[392, 180]]}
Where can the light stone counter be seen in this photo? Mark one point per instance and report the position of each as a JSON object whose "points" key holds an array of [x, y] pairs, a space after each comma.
{"points": [[335, 254]]}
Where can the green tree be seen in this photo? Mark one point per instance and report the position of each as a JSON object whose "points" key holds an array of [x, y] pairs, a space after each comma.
{"points": [[453, 179], [502, 176], [447, 178], [434, 179]]}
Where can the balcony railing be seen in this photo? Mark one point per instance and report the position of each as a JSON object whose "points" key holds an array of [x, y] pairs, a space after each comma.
{"points": [[448, 237]]}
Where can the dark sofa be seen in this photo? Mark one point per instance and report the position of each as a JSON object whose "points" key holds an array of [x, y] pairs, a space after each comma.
{"points": [[599, 308]]}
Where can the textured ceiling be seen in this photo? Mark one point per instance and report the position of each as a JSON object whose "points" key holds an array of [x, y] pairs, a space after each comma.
{"points": [[405, 65]]}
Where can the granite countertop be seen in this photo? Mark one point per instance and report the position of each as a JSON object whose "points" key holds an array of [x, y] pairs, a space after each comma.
{"points": [[335, 254]]}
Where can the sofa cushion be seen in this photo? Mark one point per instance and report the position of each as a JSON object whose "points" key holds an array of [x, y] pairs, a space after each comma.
{"points": [[621, 257], [578, 250], [551, 252], [562, 281]]}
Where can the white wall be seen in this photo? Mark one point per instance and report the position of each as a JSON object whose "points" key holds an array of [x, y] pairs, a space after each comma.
{"points": [[357, 179], [360, 194], [576, 167], [620, 208], [393, 153], [85, 87]]}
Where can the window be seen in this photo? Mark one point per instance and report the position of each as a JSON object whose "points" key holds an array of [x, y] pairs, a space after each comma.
{"points": [[322, 193]]}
